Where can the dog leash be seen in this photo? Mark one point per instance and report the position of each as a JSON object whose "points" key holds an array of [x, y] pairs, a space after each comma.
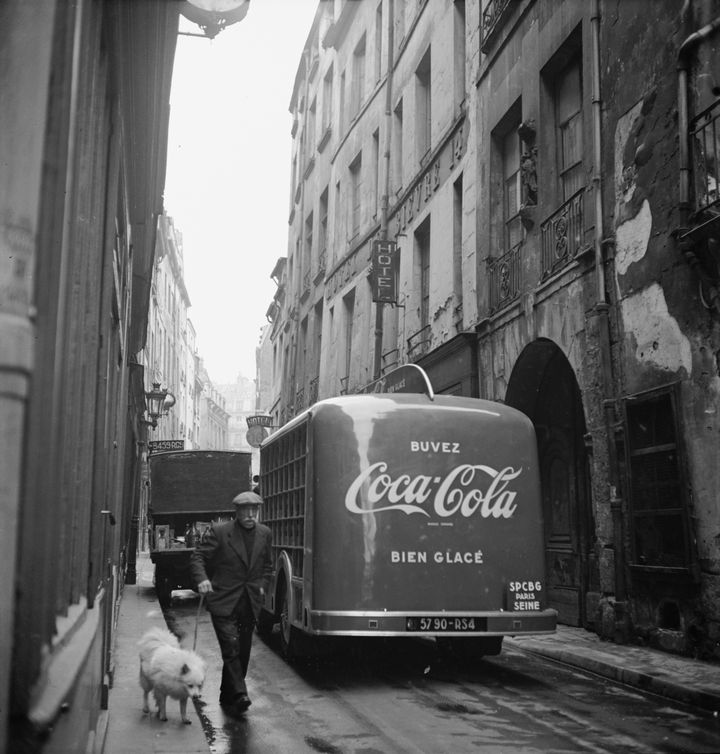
{"points": [[197, 620]]}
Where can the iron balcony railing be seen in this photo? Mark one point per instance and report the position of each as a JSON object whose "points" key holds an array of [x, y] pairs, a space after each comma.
{"points": [[504, 273], [313, 390], [493, 18], [300, 400], [562, 235], [390, 359], [321, 266], [419, 342], [306, 286], [705, 142]]}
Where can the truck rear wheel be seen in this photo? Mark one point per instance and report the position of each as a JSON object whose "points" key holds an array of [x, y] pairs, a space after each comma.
{"points": [[287, 632]]}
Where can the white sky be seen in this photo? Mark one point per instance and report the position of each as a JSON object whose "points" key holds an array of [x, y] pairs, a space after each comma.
{"points": [[228, 174]]}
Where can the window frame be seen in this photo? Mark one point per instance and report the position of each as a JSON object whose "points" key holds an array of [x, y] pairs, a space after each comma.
{"points": [[635, 513], [570, 173]]}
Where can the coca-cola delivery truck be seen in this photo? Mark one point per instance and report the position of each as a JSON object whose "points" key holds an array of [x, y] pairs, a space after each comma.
{"points": [[406, 514]]}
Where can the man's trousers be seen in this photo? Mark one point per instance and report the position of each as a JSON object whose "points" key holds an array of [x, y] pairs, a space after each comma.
{"points": [[234, 634]]}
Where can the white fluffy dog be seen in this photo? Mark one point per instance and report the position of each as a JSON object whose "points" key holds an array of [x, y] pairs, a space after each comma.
{"points": [[169, 671]]}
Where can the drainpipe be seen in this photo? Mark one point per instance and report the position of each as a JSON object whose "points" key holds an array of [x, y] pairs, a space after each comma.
{"points": [[602, 312], [683, 68], [384, 204]]}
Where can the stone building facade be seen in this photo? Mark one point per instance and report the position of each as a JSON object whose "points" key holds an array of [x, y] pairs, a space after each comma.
{"points": [[214, 425], [547, 169], [169, 353], [83, 139]]}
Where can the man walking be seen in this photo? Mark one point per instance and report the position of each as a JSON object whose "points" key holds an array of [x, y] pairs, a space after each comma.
{"points": [[232, 568]]}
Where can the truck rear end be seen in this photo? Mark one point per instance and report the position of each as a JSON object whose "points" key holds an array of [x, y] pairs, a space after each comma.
{"points": [[189, 490], [426, 520]]}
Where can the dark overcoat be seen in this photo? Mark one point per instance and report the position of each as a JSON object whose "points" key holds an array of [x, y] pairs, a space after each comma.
{"points": [[222, 558]]}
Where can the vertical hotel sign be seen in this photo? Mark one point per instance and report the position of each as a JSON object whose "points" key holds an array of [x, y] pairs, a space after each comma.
{"points": [[385, 271]]}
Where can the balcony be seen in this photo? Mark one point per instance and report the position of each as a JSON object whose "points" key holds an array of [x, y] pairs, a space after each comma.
{"points": [[705, 142], [272, 312], [419, 342], [504, 273], [313, 391], [493, 18], [306, 286], [562, 235], [390, 359], [321, 267], [300, 400]]}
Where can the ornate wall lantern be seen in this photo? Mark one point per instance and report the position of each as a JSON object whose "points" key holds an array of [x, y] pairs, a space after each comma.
{"points": [[159, 402]]}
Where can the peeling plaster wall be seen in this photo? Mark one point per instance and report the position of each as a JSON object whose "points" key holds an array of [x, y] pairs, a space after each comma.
{"points": [[655, 336], [631, 239], [663, 334]]}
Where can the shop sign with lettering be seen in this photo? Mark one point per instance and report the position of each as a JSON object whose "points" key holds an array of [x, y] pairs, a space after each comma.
{"points": [[385, 270], [156, 446]]}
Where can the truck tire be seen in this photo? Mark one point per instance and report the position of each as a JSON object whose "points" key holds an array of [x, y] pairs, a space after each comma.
{"points": [[287, 632]]}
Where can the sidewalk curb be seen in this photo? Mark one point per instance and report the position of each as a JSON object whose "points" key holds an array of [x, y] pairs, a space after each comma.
{"points": [[644, 681]]}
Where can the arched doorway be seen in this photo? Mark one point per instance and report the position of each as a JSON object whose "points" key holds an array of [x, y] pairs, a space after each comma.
{"points": [[543, 386]]}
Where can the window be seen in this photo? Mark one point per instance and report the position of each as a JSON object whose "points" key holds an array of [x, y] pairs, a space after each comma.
{"points": [[459, 44], [308, 250], [293, 182], [511, 189], [397, 148], [310, 136], [457, 239], [300, 367], [355, 195], [378, 41], [376, 170], [339, 230], [317, 328], [656, 488], [422, 245], [349, 312], [358, 78], [327, 100], [322, 237], [343, 114], [568, 119], [399, 23], [423, 107]]}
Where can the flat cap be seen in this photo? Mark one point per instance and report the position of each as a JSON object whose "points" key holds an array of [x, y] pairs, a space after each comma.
{"points": [[247, 498]]}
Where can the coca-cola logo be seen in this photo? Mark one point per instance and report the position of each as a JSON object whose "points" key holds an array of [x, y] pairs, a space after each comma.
{"points": [[467, 490]]}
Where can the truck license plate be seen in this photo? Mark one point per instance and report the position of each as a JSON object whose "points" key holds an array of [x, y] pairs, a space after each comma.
{"points": [[439, 624]]}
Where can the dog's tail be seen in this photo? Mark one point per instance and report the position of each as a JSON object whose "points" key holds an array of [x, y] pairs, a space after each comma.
{"points": [[153, 640]]}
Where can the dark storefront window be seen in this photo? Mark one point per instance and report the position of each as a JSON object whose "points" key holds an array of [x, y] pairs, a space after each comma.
{"points": [[656, 488]]}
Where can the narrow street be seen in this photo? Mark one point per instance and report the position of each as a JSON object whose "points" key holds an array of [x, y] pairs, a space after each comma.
{"points": [[404, 697]]}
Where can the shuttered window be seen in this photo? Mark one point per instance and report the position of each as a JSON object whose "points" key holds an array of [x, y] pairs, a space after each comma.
{"points": [[659, 516]]}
